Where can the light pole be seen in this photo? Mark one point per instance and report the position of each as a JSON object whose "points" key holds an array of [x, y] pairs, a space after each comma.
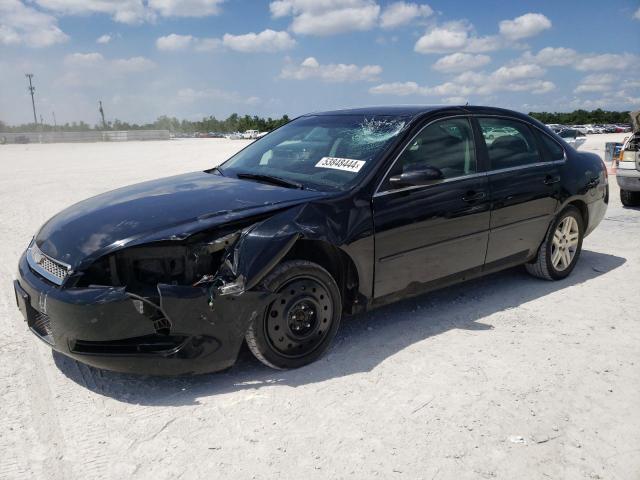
{"points": [[32, 90]]}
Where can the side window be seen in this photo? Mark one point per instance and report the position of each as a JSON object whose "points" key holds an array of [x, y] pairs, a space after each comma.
{"points": [[446, 145], [509, 143], [553, 150]]}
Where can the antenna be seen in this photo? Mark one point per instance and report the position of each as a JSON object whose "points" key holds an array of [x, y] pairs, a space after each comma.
{"points": [[32, 90]]}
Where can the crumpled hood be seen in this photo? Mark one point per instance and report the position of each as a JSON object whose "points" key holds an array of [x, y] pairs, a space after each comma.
{"points": [[165, 209]]}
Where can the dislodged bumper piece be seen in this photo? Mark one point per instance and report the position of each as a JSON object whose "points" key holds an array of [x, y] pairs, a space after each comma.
{"points": [[106, 328]]}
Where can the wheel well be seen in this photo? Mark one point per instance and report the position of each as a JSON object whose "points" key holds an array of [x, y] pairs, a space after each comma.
{"points": [[335, 261], [580, 205]]}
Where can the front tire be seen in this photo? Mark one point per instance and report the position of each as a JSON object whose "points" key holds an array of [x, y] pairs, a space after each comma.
{"points": [[298, 326], [560, 250], [629, 198]]}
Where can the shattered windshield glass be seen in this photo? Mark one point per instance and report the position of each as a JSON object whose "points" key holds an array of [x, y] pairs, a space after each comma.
{"points": [[323, 152]]}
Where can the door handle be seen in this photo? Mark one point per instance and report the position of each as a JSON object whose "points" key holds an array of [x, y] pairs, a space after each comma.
{"points": [[550, 180], [473, 196]]}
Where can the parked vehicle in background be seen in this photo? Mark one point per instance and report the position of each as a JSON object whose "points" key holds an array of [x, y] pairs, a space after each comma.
{"points": [[628, 172], [250, 134], [623, 128], [234, 136], [334, 213], [573, 137]]}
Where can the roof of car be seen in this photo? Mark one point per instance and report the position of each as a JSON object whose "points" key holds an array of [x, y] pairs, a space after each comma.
{"points": [[416, 110]]}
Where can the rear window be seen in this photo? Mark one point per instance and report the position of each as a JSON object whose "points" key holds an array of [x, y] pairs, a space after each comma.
{"points": [[553, 150], [509, 143]]}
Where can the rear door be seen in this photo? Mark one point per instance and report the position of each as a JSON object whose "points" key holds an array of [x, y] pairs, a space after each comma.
{"points": [[524, 183], [430, 232]]}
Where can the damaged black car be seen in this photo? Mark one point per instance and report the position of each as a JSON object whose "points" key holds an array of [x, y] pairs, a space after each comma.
{"points": [[332, 214]]}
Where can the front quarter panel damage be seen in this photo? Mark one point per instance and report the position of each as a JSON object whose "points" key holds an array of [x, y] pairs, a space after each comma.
{"points": [[262, 246]]}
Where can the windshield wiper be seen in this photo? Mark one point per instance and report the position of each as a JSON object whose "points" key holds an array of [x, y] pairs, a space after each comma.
{"points": [[282, 182]]}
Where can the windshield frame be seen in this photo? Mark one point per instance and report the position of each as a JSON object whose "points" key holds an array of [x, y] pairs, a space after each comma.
{"points": [[368, 168]]}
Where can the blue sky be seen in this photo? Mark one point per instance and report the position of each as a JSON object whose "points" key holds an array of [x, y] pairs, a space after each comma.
{"points": [[191, 58]]}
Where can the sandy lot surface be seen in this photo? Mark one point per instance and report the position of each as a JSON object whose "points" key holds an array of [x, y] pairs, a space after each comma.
{"points": [[503, 377]]}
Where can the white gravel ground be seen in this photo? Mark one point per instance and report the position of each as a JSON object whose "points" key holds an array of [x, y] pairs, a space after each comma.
{"points": [[503, 377]]}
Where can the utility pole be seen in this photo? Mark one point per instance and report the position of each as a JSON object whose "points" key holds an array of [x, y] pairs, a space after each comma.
{"points": [[101, 110], [55, 124], [32, 90]]}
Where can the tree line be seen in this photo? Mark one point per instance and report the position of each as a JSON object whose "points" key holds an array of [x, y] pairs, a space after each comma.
{"points": [[581, 117], [233, 123], [237, 123]]}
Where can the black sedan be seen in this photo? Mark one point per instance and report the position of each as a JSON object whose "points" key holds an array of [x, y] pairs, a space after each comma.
{"points": [[332, 214]]}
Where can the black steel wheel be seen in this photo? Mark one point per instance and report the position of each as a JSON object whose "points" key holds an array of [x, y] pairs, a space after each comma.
{"points": [[297, 326]]}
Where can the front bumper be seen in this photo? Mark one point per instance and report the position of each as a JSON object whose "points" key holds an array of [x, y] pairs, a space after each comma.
{"points": [[628, 179], [104, 328]]}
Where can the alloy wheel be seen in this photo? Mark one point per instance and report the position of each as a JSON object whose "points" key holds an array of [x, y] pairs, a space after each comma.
{"points": [[565, 243]]}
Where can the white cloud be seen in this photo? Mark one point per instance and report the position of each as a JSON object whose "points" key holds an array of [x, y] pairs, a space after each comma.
{"points": [[552, 57], [186, 8], [402, 13], [515, 78], [327, 17], [265, 41], [123, 11], [460, 36], [95, 71], [524, 26], [598, 82], [83, 59], [134, 11], [21, 24], [400, 89], [517, 72], [132, 65], [174, 42], [636, 15], [459, 62], [311, 68], [455, 36], [104, 39], [96, 62], [207, 44], [607, 61]]}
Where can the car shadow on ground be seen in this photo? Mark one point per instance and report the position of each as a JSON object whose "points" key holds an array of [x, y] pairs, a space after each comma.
{"points": [[363, 342]]}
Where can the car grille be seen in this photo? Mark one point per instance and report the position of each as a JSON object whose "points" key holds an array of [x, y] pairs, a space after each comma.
{"points": [[46, 266], [42, 327]]}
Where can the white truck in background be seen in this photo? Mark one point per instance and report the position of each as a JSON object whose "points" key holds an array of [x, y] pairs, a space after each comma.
{"points": [[628, 172]]}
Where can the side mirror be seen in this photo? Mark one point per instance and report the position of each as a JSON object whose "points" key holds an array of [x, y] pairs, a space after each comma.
{"points": [[423, 176]]}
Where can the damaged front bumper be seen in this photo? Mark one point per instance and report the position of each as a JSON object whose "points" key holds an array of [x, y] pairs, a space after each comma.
{"points": [[106, 327]]}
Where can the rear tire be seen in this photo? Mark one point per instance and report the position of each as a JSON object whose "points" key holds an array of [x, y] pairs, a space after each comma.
{"points": [[298, 326], [629, 198], [560, 250]]}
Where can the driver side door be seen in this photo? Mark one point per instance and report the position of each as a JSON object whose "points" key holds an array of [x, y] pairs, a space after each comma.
{"points": [[427, 234]]}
